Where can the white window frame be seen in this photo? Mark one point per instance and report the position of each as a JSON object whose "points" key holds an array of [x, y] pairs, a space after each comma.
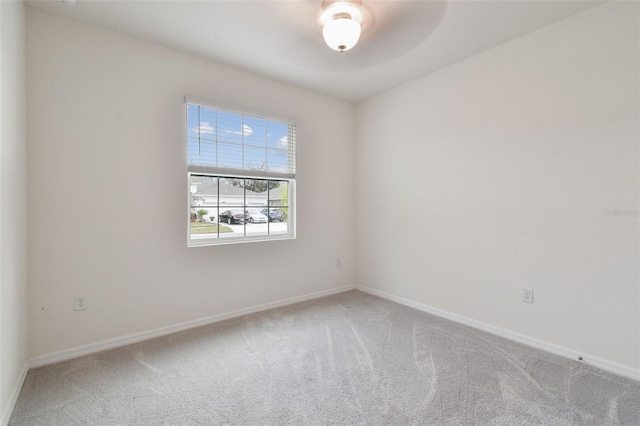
{"points": [[240, 174]]}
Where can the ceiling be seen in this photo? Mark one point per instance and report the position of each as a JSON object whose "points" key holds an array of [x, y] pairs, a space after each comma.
{"points": [[282, 39]]}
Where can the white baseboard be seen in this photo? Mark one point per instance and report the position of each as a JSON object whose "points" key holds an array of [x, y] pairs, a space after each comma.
{"points": [[612, 367], [117, 342], [13, 398]]}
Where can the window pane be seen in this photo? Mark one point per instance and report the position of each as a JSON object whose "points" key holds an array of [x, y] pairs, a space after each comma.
{"points": [[231, 193], [203, 124], [278, 136], [277, 160], [204, 201], [258, 224], [224, 229], [201, 135], [231, 128], [203, 191], [203, 230], [279, 194], [201, 153], [230, 156], [256, 194], [255, 158], [255, 132], [256, 200], [277, 221], [232, 213]]}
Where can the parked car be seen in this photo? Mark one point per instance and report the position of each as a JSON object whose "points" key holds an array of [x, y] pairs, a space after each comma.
{"points": [[274, 214], [233, 216], [255, 216]]}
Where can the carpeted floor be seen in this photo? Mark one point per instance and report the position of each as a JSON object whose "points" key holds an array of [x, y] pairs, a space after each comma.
{"points": [[348, 359]]}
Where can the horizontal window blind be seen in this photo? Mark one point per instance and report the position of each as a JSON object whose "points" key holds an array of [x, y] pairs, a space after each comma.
{"points": [[224, 142]]}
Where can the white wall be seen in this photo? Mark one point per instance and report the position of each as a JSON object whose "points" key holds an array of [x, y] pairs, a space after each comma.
{"points": [[106, 134], [498, 171], [13, 283]]}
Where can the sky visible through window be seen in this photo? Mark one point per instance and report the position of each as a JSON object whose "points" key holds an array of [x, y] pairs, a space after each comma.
{"points": [[227, 140]]}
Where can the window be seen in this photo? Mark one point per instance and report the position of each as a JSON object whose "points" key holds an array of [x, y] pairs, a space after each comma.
{"points": [[241, 173]]}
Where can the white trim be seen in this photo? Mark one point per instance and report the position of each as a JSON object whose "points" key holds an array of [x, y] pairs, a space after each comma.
{"points": [[8, 409], [117, 342], [610, 366]]}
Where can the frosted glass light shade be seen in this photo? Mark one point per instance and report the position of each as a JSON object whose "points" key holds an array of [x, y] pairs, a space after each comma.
{"points": [[341, 34]]}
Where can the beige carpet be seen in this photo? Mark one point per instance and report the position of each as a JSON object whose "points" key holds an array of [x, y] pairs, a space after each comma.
{"points": [[348, 359]]}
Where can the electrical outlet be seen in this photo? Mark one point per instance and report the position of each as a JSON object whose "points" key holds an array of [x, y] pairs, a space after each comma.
{"points": [[79, 303], [338, 263], [527, 295]]}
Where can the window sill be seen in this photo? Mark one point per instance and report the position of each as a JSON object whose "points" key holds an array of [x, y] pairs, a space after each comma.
{"points": [[204, 242]]}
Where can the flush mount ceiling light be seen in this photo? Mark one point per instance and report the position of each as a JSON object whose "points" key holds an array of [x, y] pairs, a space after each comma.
{"points": [[341, 25]]}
